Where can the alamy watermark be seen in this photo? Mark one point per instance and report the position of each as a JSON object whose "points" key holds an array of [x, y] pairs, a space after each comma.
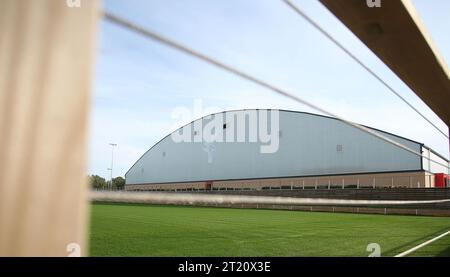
{"points": [[373, 3], [73, 3], [73, 249], [251, 126], [374, 249]]}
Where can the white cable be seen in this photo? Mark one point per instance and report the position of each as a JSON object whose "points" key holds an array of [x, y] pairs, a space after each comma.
{"points": [[371, 72], [199, 198], [168, 42]]}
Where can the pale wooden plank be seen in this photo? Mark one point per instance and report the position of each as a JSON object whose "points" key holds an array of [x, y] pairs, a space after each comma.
{"points": [[397, 35], [46, 54]]}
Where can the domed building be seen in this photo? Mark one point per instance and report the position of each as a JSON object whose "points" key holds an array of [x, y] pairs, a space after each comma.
{"points": [[268, 149]]}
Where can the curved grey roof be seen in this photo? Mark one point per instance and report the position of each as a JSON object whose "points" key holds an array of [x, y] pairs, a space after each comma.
{"points": [[309, 145]]}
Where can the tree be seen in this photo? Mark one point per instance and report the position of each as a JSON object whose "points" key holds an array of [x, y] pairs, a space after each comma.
{"points": [[97, 182], [118, 183]]}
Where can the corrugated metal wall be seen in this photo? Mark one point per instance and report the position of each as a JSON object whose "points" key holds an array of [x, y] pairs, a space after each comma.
{"points": [[308, 145]]}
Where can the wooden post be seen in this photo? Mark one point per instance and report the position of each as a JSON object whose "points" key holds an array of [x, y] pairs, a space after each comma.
{"points": [[46, 54]]}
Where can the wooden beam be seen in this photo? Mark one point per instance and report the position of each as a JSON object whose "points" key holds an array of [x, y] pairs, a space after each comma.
{"points": [[396, 34], [46, 54]]}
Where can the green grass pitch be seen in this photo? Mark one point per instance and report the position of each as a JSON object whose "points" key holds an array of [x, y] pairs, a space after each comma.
{"points": [[146, 230]]}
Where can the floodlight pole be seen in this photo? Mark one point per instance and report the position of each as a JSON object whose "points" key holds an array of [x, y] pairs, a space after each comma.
{"points": [[112, 164]]}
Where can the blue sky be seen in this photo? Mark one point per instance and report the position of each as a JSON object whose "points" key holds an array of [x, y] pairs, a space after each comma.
{"points": [[139, 82]]}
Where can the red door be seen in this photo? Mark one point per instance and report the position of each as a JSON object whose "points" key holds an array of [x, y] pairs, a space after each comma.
{"points": [[208, 185], [440, 180]]}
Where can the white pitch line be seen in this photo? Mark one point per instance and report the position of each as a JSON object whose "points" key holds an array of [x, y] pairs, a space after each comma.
{"points": [[422, 245]]}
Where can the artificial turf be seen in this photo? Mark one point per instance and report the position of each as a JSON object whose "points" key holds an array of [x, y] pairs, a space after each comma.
{"points": [[147, 230]]}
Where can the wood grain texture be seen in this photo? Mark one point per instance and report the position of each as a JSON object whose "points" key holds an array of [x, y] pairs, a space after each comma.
{"points": [[397, 35], [46, 66]]}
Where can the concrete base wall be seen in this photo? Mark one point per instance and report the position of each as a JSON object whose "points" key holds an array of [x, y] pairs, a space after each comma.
{"points": [[340, 209]]}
